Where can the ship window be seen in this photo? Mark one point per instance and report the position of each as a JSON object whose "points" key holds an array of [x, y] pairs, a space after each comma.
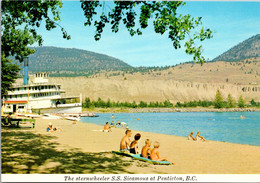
{"points": [[15, 96], [8, 107], [20, 107], [10, 96]]}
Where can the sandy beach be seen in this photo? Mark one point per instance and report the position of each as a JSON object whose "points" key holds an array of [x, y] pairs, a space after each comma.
{"points": [[83, 148]]}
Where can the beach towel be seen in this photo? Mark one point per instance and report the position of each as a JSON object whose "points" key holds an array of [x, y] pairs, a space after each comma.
{"points": [[139, 157]]}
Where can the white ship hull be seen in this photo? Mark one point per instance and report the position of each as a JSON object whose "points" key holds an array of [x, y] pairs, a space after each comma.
{"points": [[62, 109]]}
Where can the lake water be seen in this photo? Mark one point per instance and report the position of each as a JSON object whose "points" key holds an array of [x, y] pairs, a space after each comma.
{"points": [[218, 126]]}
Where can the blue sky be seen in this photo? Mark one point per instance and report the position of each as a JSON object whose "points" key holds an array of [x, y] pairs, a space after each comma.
{"points": [[233, 22]]}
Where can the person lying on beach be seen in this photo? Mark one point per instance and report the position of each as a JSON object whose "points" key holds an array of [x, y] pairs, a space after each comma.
{"points": [[134, 144], [190, 136], [125, 142], [51, 129], [155, 153], [107, 128], [200, 138], [146, 150]]}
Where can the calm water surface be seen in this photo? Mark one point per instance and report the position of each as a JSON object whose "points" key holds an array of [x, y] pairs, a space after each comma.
{"points": [[218, 126]]}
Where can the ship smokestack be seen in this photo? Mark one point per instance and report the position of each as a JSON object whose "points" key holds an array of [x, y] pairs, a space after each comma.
{"points": [[26, 70]]}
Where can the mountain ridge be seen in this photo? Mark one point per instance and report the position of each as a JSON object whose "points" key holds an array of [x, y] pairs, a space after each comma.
{"points": [[72, 61], [249, 48]]}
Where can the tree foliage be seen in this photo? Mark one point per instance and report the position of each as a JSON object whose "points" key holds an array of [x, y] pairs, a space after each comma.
{"points": [[218, 102], [20, 20], [241, 102], [8, 75], [165, 19], [230, 101]]}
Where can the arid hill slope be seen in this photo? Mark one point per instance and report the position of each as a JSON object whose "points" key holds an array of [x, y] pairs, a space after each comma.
{"points": [[153, 89], [242, 72]]}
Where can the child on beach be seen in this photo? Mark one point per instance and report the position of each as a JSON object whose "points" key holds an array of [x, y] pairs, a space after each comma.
{"points": [[146, 150], [200, 138], [190, 136], [107, 128], [112, 124], [155, 153], [125, 142], [134, 144]]}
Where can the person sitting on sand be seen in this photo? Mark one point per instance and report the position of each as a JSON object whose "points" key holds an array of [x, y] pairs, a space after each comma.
{"points": [[200, 138], [146, 150], [155, 153], [107, 128], [134, 144], [190, 136], [8, 119], [118, 123], [125, 142], [112, 124]]}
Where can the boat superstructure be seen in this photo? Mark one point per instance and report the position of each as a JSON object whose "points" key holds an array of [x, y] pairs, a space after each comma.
{"points": [[40, 95]]}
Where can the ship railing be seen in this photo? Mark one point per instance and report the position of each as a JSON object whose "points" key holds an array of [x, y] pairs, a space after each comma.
{"points": [[69, 105]]}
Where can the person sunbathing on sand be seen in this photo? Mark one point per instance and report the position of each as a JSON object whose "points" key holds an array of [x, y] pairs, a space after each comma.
{"points": [[125, 142], [146, 150], [134, 144], [51, 129], [190, 136], [107, 128], [155, 153], [200, 138]]}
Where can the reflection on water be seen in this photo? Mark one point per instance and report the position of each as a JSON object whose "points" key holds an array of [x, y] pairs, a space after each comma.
{"points": [[219, 126]]}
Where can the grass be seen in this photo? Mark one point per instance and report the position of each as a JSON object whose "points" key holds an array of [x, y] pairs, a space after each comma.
{"points": [[29, 153]]}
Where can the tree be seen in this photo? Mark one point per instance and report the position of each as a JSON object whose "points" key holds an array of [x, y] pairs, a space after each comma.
{"points": [[142, 104], [230, 101], [20, 20], [87, 103], [252, 102], [218, 102], [241, 102], [167, 103]]}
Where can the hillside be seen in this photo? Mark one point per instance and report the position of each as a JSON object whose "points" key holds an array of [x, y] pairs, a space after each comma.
{"points": [[72, 62], [239, 73], [249, 48]]}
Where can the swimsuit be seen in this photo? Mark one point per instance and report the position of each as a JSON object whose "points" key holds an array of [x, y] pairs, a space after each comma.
{"points": [[132, 150]]}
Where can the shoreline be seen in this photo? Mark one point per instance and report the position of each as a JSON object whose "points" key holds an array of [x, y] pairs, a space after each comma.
{"points": [[162, 110], [174, 135], [84, 148]]}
